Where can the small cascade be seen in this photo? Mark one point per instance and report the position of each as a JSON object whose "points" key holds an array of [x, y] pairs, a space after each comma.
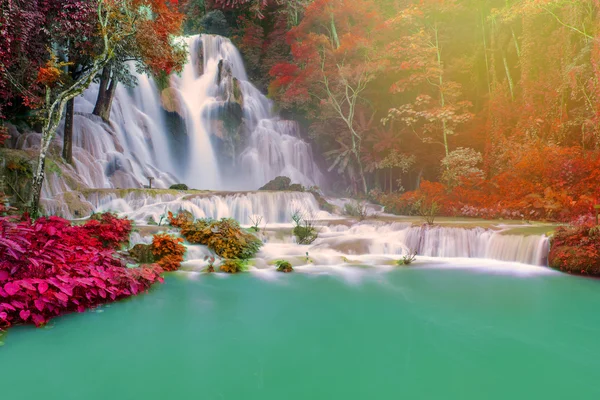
{"points": [[402, 238], [268, 207]]}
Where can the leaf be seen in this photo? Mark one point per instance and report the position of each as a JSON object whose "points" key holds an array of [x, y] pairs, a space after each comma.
{"points": [[11, 288], [42, 287], [24, 314], [39, 304]]}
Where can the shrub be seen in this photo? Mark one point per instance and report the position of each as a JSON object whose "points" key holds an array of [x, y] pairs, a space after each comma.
{"points": [[576, 250], [304, 231], [179, 186], [182, 219], [168, 251], [427, 209], [284, 266], [357, 209], [233, 266], [408, 259], [225, 237], [50, 267], [113, 232]]}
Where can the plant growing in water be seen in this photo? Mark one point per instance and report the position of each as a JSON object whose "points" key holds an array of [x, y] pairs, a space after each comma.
{"points": [[284, 266], [357, 209], [234, 265], [256, 220], [211, 264], [408, 258], [305, 230], [427, 209]]}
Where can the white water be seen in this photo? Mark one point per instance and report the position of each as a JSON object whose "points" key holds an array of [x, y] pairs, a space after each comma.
{"points": [[138, 144]]}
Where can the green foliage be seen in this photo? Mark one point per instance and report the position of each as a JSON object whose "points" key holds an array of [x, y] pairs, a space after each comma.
{"points": [[427, 209], [407, 259], [284, 266], [179, 186], [215, 23], [357, 209], [279, 183], [305, 230]]}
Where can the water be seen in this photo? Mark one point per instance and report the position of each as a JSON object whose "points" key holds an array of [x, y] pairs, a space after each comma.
{"points": [[417, 333]]}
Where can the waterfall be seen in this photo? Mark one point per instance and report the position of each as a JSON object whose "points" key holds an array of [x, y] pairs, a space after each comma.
{"points": [[210, 128]]}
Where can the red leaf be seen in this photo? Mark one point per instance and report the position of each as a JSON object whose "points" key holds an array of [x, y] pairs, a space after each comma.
{"points": [[3, 316], [61, 296], [24, 314], [42, 287], [39, 304], [11, 288]]}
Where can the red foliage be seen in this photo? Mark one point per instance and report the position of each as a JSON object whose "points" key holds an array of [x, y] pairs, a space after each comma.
{"points": [[111, 231], [50, 267], [168, 250], [576, 250]]}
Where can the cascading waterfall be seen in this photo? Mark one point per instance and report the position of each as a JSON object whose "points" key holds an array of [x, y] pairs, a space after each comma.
{"points": [[212, 129]]}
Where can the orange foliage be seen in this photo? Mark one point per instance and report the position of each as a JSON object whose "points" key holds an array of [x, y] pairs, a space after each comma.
{"points": [[168, 250]]}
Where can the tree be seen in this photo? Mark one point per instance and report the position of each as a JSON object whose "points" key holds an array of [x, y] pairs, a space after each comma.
{"points": [[437, 110], [335, 60]]}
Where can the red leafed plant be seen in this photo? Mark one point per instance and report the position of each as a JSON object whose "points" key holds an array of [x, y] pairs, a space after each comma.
{"points": [[50, 267], [168, 250], [113, 232], [576, 250]]}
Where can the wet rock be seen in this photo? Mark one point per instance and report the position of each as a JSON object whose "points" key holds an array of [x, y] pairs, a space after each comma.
{"points": [[279, 183], [172, 101], [284, 266]]}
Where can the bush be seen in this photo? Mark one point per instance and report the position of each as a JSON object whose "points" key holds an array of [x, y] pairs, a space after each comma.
{"points": [[225, 237], [113, 232], [233, 266], [215, 23], [284, 266], [305, 231], [179, 186], [408, 259], [50, 267], [168, 251], [357, 209], [576, 250]]}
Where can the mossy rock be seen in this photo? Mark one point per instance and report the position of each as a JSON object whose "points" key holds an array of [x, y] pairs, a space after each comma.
{"points": [[278, 184], [179, 186], [142, 253], [284, 266]]}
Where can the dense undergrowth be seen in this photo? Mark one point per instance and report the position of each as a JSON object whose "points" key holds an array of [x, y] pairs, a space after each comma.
{"points": [[576, 249], [50, 267], [224, 237]]}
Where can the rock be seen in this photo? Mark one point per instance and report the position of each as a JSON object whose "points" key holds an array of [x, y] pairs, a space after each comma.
{"points": [[296, 187], [142, 253], [78, 206], [172, 102], [179, 186], [284, 266], [279, 183]]}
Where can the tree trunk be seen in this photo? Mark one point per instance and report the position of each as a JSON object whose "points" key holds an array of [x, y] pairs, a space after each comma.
{"points": [[106, 93], [68, 133]]}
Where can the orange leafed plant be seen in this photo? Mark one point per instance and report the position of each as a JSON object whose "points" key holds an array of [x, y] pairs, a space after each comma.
{"points": [[168, 250]]}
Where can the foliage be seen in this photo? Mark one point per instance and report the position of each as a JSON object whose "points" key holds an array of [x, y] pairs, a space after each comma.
{"points": [[576, 250], [461, 164], [50, 267], [179, 186], [211, 264], [408, 258], [225, 237], [284, 266], [113, 232], [215, 23], [168, 251], [304, 229], [234, 266], [357, 209]]}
